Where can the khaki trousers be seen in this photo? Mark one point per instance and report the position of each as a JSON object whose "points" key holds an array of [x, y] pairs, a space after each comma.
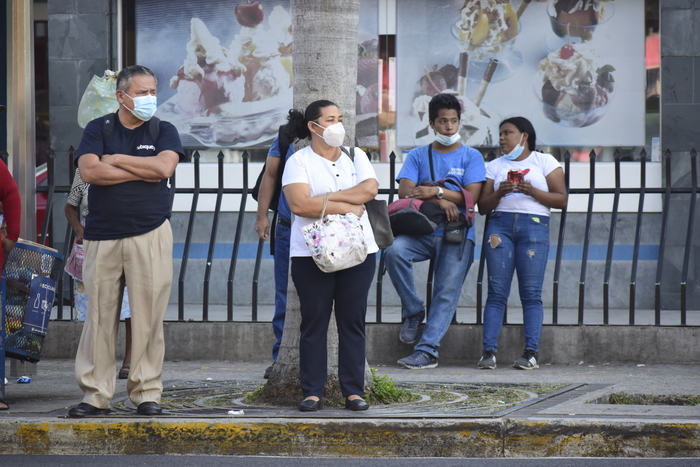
{"points": [[145, 263]]}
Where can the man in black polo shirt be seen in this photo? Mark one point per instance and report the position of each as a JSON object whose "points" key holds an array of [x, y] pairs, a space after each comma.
{"points": [[127, 239]]}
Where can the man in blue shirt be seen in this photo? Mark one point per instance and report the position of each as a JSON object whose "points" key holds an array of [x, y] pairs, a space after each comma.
{"points": [[450, 159], [127, 239], [270, 183]]}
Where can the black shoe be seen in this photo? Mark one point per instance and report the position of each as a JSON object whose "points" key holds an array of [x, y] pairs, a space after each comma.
{"points": [[412, 328], [529, 360], [419, 360], [356, 404], [488, 360], [86, 410], [310, 405], [268, 371], [149, 408]]}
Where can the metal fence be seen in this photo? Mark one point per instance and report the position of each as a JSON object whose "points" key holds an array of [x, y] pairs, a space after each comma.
{"points": [[592, 191]]}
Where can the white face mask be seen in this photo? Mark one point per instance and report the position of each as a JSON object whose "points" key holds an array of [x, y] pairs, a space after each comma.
{"points": [[333, 135], [447, 140], [515, 153]]}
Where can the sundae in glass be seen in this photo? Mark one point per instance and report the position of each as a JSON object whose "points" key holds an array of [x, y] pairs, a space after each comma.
{"points": [[574, 88], [486, 28], [582, 17], [235, 94]]}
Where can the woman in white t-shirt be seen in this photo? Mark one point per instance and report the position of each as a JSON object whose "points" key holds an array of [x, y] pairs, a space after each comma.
{"points": [[309, 175], [521, 187]]}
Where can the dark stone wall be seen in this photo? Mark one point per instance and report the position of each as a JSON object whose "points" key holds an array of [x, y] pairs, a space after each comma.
{"points": [[680, 123], [680, 74], [79, 47]]}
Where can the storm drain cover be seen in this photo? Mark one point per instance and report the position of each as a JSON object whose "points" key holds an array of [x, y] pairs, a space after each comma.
{"points": [[227, 399]]}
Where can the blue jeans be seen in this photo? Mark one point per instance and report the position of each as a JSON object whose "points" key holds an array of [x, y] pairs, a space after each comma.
{"points": [[451, 264], [282, 236], [517, 242]]}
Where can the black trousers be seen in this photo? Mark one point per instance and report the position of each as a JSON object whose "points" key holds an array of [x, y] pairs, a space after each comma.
{"points": [[318, 291]]}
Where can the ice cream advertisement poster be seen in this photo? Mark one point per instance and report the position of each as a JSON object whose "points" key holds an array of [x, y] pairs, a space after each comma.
{"points": [[224, 68], [574, 68]]}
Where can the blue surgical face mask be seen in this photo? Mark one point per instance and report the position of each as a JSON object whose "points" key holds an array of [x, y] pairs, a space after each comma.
{"points": [[447, 140], [515, 153], [144, 106]]}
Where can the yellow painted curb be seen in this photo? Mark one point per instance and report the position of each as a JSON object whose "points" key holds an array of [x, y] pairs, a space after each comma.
{"points": [[348, 437]]}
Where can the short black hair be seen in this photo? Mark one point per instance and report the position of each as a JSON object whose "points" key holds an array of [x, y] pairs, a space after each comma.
{"points": [[443, 101], [524, 125], [124, 77]]}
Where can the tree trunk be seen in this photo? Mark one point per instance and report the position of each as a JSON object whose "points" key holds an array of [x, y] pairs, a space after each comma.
{"points": [[324, 67], [325, 55]]}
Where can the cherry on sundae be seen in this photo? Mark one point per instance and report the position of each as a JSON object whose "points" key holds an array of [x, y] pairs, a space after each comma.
{"points": [[250, 14], [573, 87]]}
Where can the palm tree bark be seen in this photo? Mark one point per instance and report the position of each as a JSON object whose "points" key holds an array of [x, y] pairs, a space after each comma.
{"points": [[324, 67]]}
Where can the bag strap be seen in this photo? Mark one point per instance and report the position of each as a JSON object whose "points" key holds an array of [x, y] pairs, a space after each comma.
{"points": [[430, 162], [468, 201], [154, 128], [325, 203], [284, 144], [108, 126], [350, 153]]}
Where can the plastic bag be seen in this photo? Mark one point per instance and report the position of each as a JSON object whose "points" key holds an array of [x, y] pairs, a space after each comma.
{"points": [[74, 264], [99, 98]]}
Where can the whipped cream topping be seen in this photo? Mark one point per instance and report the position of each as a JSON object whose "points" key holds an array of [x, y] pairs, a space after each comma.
{"points": [[204, 49], [565, 74], [494, 10], [281, 26]]}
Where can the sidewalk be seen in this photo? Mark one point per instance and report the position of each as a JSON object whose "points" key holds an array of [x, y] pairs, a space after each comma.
{"points": [[568, 423]]}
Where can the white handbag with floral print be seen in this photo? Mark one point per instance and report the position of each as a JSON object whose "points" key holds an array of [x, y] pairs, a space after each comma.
{"points": [[336, 241]]}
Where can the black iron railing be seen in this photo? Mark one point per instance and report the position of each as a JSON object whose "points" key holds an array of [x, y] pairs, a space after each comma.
{"points": [[642, 191]]}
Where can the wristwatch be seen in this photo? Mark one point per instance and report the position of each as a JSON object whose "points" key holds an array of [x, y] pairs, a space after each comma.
{"points": [[440, 193]]}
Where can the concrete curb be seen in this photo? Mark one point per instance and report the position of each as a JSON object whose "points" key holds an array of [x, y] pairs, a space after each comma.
{"points": [[356, 438], [251, 342]]}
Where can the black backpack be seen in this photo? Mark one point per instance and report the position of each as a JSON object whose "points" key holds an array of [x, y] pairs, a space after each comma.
{"points": [[284, 144], [153, 127]]}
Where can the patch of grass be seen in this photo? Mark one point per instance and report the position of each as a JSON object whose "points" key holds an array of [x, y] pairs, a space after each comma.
{"points": [[623, 398], [694, 400], [385, 391], [651, 399], [252, 397]]}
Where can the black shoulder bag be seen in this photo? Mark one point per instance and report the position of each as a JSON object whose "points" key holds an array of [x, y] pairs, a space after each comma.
{"points": [[377, 213]]}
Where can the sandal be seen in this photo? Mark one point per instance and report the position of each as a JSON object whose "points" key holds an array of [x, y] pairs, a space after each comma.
{"points": [[3, 405], [124, 372]]}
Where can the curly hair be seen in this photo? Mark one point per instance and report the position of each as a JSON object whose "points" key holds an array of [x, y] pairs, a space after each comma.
{"points": [[298, 127]]}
